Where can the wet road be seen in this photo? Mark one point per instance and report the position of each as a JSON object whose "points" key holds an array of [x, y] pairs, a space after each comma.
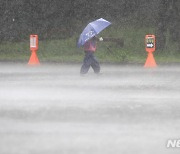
{"points": [[52, 109]]}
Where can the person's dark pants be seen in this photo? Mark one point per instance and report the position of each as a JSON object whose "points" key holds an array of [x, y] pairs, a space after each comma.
{"points": [[90, 60]]}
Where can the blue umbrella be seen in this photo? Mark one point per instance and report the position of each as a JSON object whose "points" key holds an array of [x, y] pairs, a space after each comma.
{"points": [[92, 29]]}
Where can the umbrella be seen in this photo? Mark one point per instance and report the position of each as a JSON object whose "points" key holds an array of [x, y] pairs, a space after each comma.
{"points": [[92, 29]]}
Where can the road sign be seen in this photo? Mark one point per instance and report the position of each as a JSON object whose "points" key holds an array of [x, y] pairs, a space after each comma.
{"points": [[150, 48], [33, 42], [150, 43], [33, 47]]}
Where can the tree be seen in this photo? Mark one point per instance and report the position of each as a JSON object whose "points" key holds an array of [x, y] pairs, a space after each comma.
{"points": [[168, 19]]}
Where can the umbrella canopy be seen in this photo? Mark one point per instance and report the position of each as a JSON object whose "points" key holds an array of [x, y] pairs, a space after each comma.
{"points": [[92, 29]]}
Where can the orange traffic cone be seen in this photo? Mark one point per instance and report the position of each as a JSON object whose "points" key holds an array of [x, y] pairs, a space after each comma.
{"points": [[150, 61], [33, 59]]}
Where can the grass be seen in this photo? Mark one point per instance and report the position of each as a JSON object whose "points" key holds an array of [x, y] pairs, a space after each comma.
{"points": [[66, 50]]}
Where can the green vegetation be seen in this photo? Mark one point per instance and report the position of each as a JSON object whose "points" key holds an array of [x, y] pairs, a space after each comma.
{"points": [[59, 23], [65, 50]]}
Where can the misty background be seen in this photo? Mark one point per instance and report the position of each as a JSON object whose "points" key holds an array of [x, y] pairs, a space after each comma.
{"points": [[51, 109], [60, 19]]}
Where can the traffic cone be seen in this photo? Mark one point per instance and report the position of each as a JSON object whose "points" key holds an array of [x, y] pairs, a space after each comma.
{"points": [[150, 61], [33, 59]]}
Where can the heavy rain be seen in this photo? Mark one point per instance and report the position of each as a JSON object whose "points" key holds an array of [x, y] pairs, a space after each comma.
{"points": [[128, 100]]}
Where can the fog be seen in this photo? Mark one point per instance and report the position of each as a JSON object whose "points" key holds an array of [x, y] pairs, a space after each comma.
{"points": [[53, 109]]}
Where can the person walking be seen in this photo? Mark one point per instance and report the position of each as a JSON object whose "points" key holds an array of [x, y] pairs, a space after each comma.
{"points": [[89, 59]]}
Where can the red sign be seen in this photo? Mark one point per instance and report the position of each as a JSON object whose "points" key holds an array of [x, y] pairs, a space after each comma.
{"points": [[150, 43], [34, 42]]}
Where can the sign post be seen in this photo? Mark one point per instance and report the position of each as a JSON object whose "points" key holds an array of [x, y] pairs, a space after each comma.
{"points": [[33, 47], [150, 46]]}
